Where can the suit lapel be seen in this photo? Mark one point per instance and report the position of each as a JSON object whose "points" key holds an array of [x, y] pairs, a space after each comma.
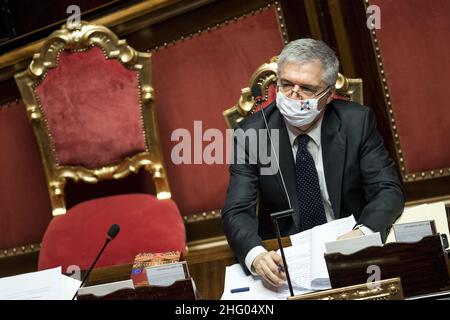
{"points": [[333, 153], [287, 166]]}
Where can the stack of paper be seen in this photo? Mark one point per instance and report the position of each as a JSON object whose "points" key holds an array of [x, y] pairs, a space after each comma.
{"points": [[42, 285], [305, 258], [257, 289], [352, 245]]}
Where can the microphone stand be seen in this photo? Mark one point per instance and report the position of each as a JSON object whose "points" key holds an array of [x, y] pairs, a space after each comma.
{"points": [[108, 239], [275, 216], [256, 91]]}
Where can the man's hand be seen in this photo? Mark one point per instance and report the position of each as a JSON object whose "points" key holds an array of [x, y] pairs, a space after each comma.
{"points": [[351, 234], [267, 266]]}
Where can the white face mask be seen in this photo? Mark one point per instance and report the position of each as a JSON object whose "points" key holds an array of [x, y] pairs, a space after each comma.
{"points": [[298, 113]]}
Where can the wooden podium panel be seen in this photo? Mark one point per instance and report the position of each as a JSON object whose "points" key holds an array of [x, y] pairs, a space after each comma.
{"points": [[422, 266], [180, 290]]}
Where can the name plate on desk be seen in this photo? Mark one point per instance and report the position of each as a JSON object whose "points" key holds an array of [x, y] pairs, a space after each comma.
{"points": [[413, 231], [167, 274]]}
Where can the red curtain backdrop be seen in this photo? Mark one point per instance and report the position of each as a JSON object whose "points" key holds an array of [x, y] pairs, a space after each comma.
{"points": [[415, 50], [24, 202], [196, 80]]}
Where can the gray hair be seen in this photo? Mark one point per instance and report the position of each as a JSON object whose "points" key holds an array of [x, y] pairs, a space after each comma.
{"points": [[310, 50]]}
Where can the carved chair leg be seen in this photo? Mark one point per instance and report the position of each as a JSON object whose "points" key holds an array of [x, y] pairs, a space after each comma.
{"points": [[57, 197], [161, 183]]}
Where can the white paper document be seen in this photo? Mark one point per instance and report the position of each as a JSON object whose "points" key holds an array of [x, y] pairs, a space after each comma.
{"points": [[352, 245], [307, 267], [42, 285], [305, 259], [106, 288], [235, 277], [70, 286]]}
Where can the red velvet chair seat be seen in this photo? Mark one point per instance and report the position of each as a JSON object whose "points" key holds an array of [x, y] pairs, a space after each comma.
{"points": [[146, 225]]}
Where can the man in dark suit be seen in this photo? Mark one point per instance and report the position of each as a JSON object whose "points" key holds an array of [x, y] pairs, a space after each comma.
{"points": [[333, 163]]}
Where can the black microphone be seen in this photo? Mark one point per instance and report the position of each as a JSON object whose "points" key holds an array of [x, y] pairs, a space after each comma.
{"points": [[112, 233], [257, 94]]}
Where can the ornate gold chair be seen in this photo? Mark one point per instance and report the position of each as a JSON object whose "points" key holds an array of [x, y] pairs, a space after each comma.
{"points": [[266, 77], [90, 101]]}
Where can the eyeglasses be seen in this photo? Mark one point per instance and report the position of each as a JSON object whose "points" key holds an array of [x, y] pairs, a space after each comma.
{"points": [[310, 92]]}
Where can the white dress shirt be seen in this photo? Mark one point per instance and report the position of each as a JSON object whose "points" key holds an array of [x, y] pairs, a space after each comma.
{"points": [[314, 147]]}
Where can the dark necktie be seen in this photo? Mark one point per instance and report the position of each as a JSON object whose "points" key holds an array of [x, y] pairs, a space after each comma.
{"points": [[309, 196]]}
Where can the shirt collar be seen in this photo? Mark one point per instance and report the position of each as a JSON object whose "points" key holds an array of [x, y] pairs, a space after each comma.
{"points": [[314, 133]]}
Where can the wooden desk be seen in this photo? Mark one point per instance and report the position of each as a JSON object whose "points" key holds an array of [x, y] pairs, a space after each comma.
{"points": [[206, 266]]}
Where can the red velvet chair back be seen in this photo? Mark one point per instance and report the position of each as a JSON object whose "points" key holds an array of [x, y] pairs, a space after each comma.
{"points": [[91, 106], [90, 100]]}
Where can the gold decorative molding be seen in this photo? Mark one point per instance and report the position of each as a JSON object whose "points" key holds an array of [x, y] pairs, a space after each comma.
{"points": [[17, 251], [133, 12], [202, 216], [275, 4], [266, 75], [123, 169], [109, 20], [77, 39], [351, 88], [390, 289], [281, 21], [411, 176], [7, 104], [208, 243], [136, 11]]}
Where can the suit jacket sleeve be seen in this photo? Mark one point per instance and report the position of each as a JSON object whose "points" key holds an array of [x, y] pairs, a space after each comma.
{"points": [[382, 187], [239, 213]]}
